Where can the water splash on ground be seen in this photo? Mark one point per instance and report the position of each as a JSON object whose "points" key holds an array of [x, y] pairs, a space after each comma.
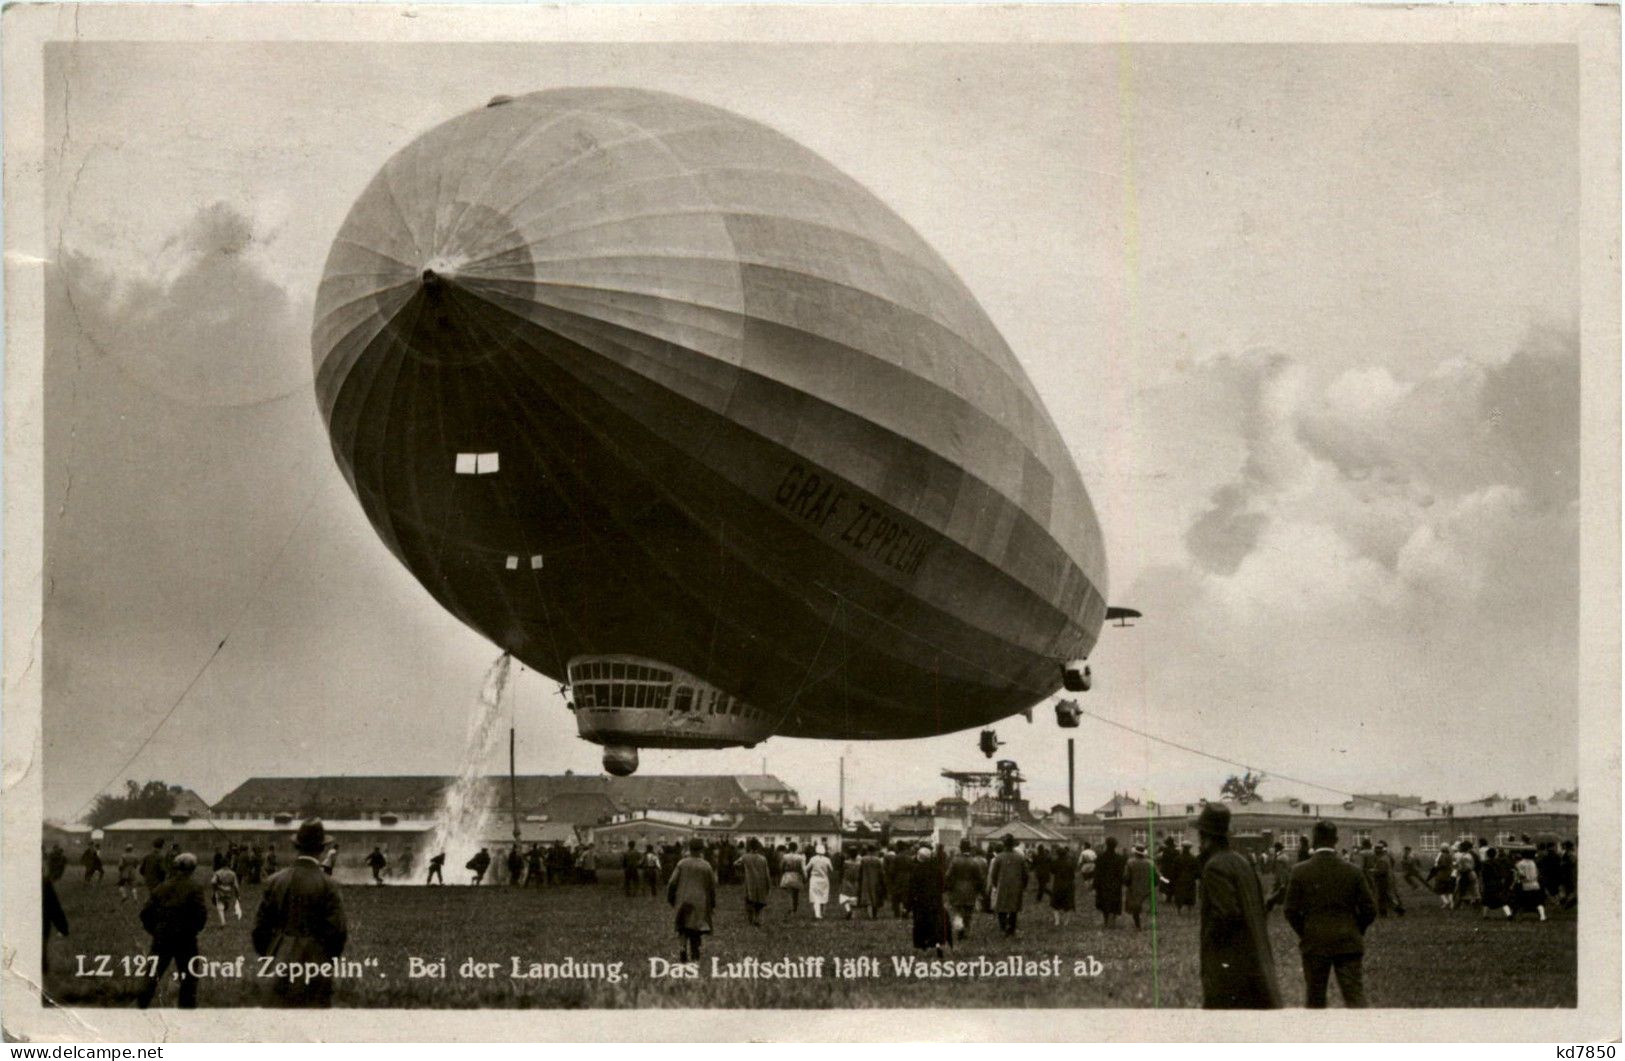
{"points": [[465, 809]]}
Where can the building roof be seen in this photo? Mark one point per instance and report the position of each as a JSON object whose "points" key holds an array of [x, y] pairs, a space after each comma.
{"points": [[1120, 804], [578, 808], [189, 803], [787, 823], [351, 795], [268, 825], [763, 783], [1026, 833], [1178, 815], [529, 833]]}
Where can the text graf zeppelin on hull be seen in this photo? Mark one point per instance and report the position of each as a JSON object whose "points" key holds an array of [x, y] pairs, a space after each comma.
{"points": [[664, 404]]}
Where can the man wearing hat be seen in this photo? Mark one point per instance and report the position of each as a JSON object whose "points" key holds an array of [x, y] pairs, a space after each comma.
{"points": [[301, 920], [1329, 905], [1140, 881], [174, 915], [1238, 967], [1007, 879]]}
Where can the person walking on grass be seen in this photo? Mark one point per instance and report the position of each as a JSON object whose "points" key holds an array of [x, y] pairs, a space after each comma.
{"points": [[1140, 882], [128, 867], [692, 892], [753, 871], [926, 886], [967, 881], [1466, 876], [1237, 965], [1109, 868], [1329, 904], [819, 869], [91, 860], [1527, 893], [1063, 887], [871, 881], [227, 892], [793, 878], [437, 870], [850, 890], [174, 915], [1007, 880], [301, 922], [376, 861], [478, 865], [631, 869]]}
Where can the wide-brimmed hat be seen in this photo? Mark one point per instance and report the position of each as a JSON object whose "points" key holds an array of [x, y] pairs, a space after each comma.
{"points": [[1214, 820], [311, 837]]}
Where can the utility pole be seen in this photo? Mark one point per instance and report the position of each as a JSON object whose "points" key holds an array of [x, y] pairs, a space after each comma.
{"points": [[1071, 796], [513, 779], [842, 815]]}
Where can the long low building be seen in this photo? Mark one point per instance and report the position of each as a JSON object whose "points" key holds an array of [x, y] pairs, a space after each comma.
{"points": [[1422, 826], [402, 839]]}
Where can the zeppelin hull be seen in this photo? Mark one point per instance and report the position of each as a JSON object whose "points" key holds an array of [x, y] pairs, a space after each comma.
{"points": [[688, 439]]}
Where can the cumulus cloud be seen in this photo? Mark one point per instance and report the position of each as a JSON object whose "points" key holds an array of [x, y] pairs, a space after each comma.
{"points": [[203, 324], [1388, 570]]}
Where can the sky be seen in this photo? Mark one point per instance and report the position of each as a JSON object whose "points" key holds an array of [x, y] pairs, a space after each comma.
{"points": [[1306, 317]]}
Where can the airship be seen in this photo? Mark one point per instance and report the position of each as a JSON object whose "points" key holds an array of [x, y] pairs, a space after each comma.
{"points": [[680, 415]]}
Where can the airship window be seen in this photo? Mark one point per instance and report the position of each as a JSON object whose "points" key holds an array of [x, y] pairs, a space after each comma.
{"points": [[584, 696], [486, 463], [603, 694], [617, 695], [685, 698], [513, 563], [617, 671], [467, 464]]}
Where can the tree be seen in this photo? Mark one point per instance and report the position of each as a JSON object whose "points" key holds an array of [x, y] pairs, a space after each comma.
{"points": [[1243, 789], [151, 800]]}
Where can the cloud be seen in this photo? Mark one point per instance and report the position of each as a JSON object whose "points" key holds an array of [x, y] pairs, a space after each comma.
{"points": [[203, 324], [1387, 570]]}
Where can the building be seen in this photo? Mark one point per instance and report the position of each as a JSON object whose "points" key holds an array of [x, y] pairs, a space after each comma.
{"points": [[403, 840], [803, 830], [1424, 826], [583, 800]]}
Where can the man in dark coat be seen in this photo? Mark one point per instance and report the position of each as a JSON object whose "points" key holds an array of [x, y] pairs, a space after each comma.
{"points": [[56, 863], [1041, 871], [966, 882], [1007, 880], [1329, 904], [692, 890], [753, 869], [174, 915], [631, 869], [51, 916], [1238, 967], [301, 920], [926, 885], [897, 871], [1189, 868], [152, 867], [1109, 870], [871, 881]]}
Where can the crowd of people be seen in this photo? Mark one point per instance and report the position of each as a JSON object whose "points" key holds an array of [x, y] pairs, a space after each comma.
{"points": [[1329, 895]]}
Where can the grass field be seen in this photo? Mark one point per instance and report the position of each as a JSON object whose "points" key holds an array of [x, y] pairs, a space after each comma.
{"points": [[1428, 958]]}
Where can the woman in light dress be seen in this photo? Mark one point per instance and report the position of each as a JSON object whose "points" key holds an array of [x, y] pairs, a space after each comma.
{"points": [[793, 877], [819, 868]]}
